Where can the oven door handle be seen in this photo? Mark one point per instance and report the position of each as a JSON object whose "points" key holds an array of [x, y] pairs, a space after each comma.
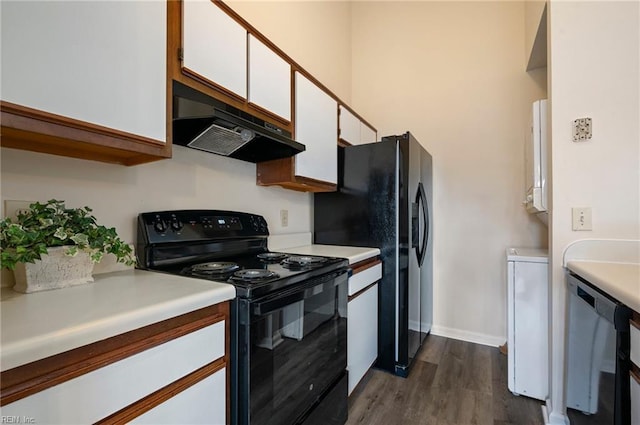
{"points": [[272, 303]]}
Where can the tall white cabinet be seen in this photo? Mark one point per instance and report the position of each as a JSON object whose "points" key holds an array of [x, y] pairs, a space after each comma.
{"points": [[528, 318]]}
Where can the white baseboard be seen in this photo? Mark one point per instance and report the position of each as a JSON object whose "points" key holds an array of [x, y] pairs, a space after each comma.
{"points": [[468, 336]]}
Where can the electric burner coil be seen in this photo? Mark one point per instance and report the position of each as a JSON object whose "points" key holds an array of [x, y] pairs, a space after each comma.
{"points": [[272, 256], [299, 261], [211, 270], [253, 275]]}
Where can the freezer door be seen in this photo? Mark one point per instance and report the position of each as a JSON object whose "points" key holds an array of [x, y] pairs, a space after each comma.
{"points": [[364, 212]]}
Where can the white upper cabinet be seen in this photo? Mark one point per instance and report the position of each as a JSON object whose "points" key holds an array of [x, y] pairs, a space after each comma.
{"points": [[269, 79], [215, 45], [349, 126], [354, 131], [102, 63], [316, 126], [367, 134]]}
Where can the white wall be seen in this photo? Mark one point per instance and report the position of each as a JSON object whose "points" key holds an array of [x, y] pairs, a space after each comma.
{"points": [[191, 179], [594, 71], [453, 73]]}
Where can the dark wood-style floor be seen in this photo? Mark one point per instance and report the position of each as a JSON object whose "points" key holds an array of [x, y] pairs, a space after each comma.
{"points": [[451, 383]]}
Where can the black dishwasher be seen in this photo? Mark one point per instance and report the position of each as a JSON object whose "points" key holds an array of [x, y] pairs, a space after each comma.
{"points": [[591, 312]]}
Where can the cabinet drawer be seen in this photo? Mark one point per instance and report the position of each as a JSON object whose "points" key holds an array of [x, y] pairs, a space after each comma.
{"points": [[635, 343], [203, 403], [361, 280], [95, 395]]}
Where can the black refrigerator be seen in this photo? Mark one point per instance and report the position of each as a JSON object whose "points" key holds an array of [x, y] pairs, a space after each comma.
{"points": [[384, 200]]}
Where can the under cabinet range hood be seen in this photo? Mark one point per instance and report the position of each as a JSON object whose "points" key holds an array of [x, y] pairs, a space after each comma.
{"points": [[203, 123]]}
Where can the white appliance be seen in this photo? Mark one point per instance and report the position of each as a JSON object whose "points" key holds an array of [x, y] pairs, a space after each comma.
{"points": [[528, 319], [536, 161]]}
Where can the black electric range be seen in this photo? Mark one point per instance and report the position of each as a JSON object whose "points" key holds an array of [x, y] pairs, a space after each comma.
{"points": [[288, 321]]}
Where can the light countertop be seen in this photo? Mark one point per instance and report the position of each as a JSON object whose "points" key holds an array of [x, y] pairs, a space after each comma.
{"points": [[38, 325], [620, 280], [353, 254]]}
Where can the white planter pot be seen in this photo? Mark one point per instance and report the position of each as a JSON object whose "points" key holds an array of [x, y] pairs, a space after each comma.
{"points": [[55, 270]]}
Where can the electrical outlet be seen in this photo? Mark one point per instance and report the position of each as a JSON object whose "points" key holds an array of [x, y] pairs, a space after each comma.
{"points": [[284, 218], [581, 218], [11, 208]]}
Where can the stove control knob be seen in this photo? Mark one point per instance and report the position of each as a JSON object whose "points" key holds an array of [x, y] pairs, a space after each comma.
{"points": [[176, 224], [160, 226]]}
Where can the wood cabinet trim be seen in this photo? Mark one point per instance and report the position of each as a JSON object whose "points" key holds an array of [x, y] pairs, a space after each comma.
{"points": [[39, 131], [362, 291], [281, 172], [365, 264], [127, 414], [635, 373], [28, 379], [635, 320], [343, 143]]}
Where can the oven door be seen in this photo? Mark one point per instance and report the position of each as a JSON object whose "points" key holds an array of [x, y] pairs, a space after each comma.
{"points": [[292, 349]]}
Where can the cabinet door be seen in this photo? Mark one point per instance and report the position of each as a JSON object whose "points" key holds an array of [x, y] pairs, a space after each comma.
{"points": [[202, 403], [362, 334], [316, 126], [99, 62], [269, 79], [367, 134], [349, 126], [98, 394], [215, 46]]}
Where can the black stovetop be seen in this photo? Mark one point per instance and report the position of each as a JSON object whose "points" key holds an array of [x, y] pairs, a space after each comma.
{"points": [[176, 241], [279, 273]]}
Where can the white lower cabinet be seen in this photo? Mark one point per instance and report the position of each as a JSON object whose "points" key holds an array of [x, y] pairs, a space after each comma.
{"points": [[362, 334], [207, 395], [362, 323], [116, 387]]}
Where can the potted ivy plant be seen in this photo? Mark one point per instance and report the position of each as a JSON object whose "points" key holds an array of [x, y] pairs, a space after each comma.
{"points": [[50, 246]]}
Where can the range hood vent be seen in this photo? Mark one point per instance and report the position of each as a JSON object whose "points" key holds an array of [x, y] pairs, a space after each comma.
{"points": [[203, 123]]}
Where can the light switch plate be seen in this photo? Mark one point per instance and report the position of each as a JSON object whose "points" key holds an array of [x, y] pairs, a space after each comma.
{"points": [[284, 218], [581, 218], [582, 130]]}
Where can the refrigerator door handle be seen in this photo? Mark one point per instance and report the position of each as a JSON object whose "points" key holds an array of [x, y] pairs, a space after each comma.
{"points": [[421, 200]]}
